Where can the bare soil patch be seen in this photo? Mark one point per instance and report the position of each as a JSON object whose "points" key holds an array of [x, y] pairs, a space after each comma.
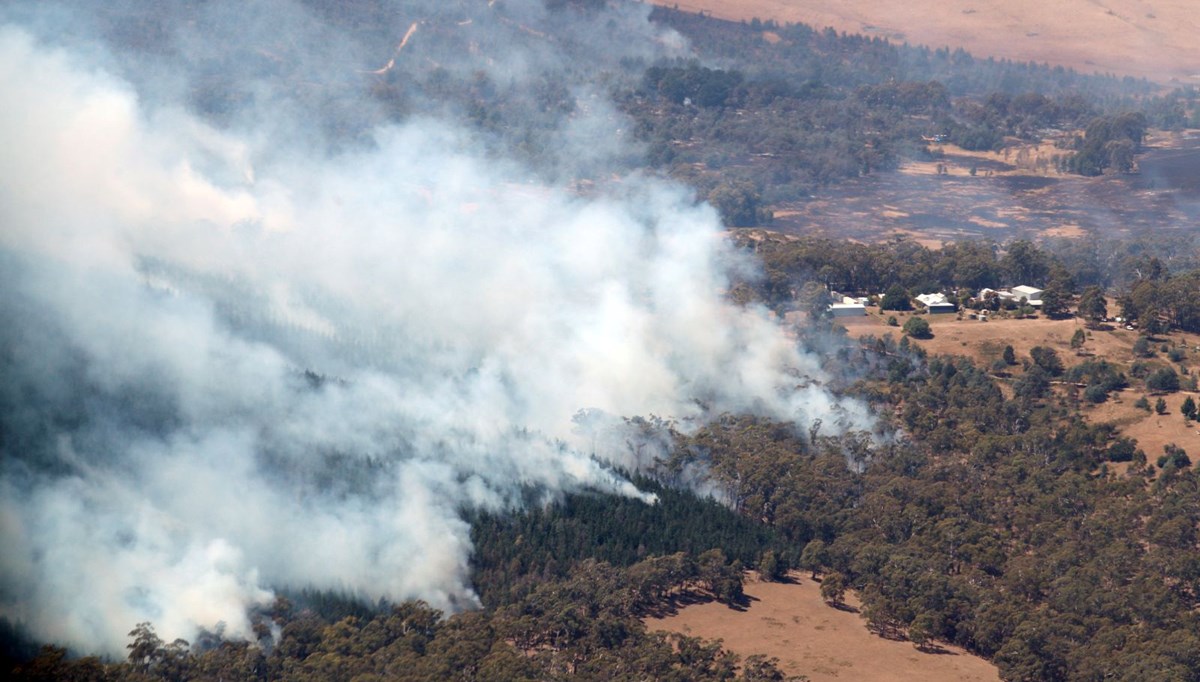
{"points": [[789, 621], [1141, 38]]}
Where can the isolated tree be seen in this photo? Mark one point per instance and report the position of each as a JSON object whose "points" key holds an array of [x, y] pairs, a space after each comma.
{"points": [[1047, 359], [1160, 406], [146, 648], [1142, 347], [917, 328], [1092, 307], [1188, 408], [1055, 303], [1164, 380], [1078, 339], [833, 588], [1010, 356]]}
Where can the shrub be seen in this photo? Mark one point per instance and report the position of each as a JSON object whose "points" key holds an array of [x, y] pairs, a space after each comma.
{"points": [[1140, 370], [1142, 348], [1164, 380], [1174, 455], [1122, 450], [917, 328], [1047, 359], [1078, 339], [1095, 394]]}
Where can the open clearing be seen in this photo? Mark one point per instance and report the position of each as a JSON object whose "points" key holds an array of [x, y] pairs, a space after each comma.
{"points": [[1154, 39], [1012, 195], [789, 621], [984, 342]]}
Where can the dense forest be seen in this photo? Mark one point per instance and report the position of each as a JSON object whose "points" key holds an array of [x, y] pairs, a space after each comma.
{"points": [[989, 514]]}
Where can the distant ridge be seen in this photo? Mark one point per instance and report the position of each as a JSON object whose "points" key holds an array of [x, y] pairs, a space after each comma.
{"points": [[1153, 40]]}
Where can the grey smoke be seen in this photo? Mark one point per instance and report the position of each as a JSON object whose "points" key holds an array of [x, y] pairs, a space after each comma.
{"points": [[234, 359]]}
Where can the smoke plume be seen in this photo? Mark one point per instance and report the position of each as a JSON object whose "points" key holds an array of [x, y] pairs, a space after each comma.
{"points": [[241, 353]]}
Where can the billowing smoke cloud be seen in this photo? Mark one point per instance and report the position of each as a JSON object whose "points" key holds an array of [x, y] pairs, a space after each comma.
{"points": [[234, 360]]}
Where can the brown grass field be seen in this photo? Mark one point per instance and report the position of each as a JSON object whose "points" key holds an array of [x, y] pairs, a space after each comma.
{"points": [[789, 621], [1154, 39]]}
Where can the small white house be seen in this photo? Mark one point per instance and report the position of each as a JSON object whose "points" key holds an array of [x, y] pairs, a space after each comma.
{"points": [[849, 307], [936, 303]]}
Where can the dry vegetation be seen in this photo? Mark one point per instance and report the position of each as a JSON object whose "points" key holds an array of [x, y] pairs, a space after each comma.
{"points": [[984, 343], [789, 621], [1140, 38]]}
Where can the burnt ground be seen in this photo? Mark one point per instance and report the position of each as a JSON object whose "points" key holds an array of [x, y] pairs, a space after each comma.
{"points": [[1000, 203]]}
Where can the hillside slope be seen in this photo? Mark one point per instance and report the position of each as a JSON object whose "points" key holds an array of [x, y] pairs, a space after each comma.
{"points": [[1142, 38]]}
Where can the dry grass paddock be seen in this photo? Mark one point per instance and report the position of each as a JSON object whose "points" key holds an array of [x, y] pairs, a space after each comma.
{"points": [[791, 622]]}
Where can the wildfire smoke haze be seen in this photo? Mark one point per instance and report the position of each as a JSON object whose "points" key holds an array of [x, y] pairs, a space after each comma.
{"points": [[241, 353]]}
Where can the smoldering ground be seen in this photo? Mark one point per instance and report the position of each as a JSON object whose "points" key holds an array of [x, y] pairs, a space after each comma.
{"points": [[243, 349]]}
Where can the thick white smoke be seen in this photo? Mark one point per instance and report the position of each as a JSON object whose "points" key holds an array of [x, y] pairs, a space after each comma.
{"points": [[230, 367]]}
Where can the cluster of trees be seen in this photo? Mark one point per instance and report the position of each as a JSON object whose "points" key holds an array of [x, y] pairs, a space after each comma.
{"points": [[513, 551], [1149, 294], [1160, 302], [1109, 143], [816, 107], [901, 269]]}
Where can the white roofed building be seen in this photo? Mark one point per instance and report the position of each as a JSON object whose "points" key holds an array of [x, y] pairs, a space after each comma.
{"points": [[849, 307], [936, 303], [1032, 295]]}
